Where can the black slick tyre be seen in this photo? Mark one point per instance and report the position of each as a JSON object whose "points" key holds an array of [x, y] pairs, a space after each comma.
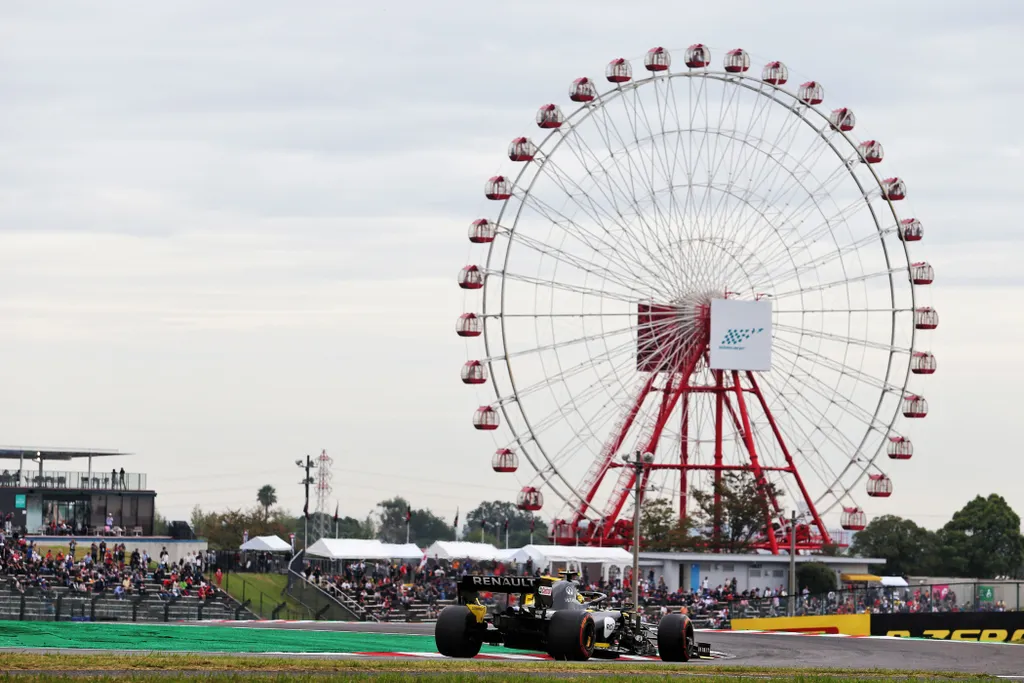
{"points": [[456, 633], [571, 636], [675, 637]]}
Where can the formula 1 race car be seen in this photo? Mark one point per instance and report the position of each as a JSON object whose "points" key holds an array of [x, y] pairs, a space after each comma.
{"points": [[553, 615]]}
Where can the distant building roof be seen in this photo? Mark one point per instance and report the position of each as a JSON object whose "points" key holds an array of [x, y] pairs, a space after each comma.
{"points": [[16, 453], [755, 557]]}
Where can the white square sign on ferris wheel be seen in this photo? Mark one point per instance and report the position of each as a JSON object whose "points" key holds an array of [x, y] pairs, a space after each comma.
{"points": [[741, 335]]}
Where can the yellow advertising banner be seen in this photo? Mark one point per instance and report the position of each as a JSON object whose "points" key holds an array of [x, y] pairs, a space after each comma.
{"points": [[849, 624]]}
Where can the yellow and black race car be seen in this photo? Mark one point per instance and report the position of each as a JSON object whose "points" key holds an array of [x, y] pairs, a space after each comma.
{"points": [[553, 615]]}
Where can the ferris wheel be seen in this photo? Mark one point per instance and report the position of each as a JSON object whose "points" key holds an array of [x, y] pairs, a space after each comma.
{"points": [[609, 288]]}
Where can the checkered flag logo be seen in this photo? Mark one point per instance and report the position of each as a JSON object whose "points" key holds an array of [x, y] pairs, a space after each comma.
{"points": [[734, 336]]}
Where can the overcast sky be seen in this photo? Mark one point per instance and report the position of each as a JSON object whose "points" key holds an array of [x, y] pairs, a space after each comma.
{"points": [[229, 232]]}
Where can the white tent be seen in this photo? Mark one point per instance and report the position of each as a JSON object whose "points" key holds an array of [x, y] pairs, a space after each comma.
{"points": [[403, 551], [507, 554], [896, 581], [350, 549], [269, 544], [462, 550], [544, 555]]}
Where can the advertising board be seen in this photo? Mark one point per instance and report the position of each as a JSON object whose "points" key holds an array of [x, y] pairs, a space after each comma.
{"points": [[848, 624], [741, 335], [979, 626]]}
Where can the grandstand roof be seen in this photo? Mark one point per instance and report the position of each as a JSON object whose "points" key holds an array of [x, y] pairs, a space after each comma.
{"points": [[18, 452]]}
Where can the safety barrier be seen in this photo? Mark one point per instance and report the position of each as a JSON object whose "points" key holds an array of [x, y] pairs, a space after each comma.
{"points": [[980, 626], [976, 626], [848, 624]]}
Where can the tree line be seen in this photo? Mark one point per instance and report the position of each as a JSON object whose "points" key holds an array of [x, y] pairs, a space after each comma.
{"points": [[387, 522], [981, 540]]}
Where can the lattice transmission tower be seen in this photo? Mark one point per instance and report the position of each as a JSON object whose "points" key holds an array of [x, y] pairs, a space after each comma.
{"points": [[322, 524]]}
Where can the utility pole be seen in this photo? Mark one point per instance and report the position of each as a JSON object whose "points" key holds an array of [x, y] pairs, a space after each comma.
{"points": [[638, 463], [792, 564], [307, 480]]}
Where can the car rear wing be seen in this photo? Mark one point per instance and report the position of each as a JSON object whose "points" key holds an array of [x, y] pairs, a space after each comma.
{"points": [[470, 586]]}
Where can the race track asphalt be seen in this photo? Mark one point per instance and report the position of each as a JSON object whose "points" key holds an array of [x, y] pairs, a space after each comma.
{"points": [[770, 650]]}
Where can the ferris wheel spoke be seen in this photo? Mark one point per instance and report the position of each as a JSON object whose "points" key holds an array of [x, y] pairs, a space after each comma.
{"points": [[661, 220], [804, 267], [562, 286], [800, 331], [657, 164], [605, 127], [706, 207], [595, 211], [767, 169], [804, 170], [747, 154], [672, 103], [588, 267], [797, 352], [795, 405], [568, 373], [814, 417], [576, 142], [757, 210], [811, 204], [835, 283], [832, 396], [719, 215], [671, 154], [828, 476], [604, 415], [580, 233], [562, 344], [777, 254], [554, 416]]}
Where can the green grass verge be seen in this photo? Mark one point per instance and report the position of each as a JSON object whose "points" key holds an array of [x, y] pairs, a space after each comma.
{"points": [[247, 586], [433, 677], [448, 670]]}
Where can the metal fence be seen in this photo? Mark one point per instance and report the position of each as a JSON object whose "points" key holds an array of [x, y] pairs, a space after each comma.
{"points": [[262, 604], [60, 479], [990, 596], [32, 606]]}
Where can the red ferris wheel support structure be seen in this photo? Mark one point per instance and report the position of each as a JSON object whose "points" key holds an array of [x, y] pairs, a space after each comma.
{"points": [[672, 357]]}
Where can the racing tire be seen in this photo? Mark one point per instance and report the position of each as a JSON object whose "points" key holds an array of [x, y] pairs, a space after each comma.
{"points": [[571, 636], [675, 638], [456, 633]]}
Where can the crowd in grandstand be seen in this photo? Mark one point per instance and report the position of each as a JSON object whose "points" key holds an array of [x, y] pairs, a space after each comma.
{"points": [[100, 569], [388, 590], [399, 590]]}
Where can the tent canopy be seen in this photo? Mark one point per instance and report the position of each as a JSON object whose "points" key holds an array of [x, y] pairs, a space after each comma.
{"points": [[463, 550], [859, 578], [894, 581], [546, 554], [403, 551], [359, 549], [270, 544]]}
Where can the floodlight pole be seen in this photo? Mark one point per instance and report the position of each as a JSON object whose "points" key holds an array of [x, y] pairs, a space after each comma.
{"points": [[792, 564], [305, 510], [638, 463]]}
